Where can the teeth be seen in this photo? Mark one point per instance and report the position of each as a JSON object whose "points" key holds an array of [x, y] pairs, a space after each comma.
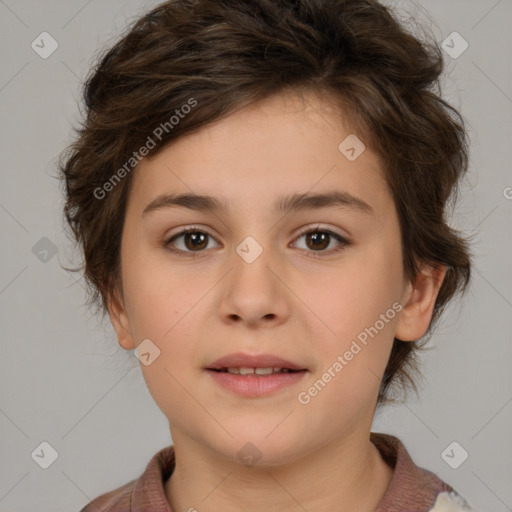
{"points": [[257, 371], [264, 371]]}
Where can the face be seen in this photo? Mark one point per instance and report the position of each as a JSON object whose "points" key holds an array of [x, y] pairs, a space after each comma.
{"points": [[320, 287]]}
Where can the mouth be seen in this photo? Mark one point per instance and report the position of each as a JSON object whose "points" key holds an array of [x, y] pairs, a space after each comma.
{"points": [[255, 376], [246, 364], [248, 371]]}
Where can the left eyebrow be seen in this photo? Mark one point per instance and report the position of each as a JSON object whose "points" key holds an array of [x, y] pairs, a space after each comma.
{"points": [[285, 204]]}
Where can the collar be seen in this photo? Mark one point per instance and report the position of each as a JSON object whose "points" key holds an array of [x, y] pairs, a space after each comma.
{"points": [[411, 488]]}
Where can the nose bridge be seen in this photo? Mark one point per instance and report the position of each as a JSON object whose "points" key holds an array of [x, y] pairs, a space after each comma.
{"points": [[252, 259], [253, 238]]}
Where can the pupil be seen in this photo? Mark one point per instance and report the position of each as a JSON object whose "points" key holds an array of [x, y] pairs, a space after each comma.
{"points": [[194, 237], [323, 237]]}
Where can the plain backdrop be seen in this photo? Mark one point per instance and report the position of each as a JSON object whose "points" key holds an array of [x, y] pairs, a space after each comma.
{"points": [[65, 381]]}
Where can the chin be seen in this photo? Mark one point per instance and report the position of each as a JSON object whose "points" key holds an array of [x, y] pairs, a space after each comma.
{"points": [[263, 446]]}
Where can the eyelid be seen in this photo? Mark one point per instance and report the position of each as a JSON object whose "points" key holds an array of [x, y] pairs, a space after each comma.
{"points": [[320, 227], [189, 229]]}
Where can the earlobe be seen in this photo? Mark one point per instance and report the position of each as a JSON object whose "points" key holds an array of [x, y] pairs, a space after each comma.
{"points": [[120, 321], [419, 301]]}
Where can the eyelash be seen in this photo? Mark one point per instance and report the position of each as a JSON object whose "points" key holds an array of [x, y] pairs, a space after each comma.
{"points": [[316, 254]]}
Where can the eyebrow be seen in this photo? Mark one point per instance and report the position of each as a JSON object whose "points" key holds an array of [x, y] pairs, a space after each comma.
{"points": [[285, 204]]}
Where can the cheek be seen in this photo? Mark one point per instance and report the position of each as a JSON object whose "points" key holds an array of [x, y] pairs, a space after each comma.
{"points": [[357, 306], [361, 309], [157, 296], [160, 304], [353, 296], [166, 305]]}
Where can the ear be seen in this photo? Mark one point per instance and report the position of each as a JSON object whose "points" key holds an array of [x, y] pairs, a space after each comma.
{"points": [[119, 320], [419, 301]]}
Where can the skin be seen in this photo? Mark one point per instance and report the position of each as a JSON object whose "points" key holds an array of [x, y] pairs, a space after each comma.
{"points": [[292, 302]]}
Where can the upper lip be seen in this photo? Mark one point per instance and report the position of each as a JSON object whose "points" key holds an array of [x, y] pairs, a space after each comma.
{"points": [[241, 360]]}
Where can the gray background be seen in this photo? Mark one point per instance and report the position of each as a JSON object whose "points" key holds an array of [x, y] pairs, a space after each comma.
{"points": [[63, 378]]}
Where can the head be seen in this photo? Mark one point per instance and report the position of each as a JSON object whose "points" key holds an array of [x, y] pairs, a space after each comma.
{"points": [[218, 99]]}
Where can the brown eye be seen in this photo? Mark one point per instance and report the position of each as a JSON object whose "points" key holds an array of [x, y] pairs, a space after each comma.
{"points": [[318, 240], [193, 240]]}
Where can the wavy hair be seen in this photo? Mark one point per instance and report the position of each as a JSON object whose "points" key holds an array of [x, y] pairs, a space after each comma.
{"points": [[227, 54]]}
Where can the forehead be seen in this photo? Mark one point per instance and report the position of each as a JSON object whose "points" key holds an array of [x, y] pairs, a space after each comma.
{"points": [[283, 145]]}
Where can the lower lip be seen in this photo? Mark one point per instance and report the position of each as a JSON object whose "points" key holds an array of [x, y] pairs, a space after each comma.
{"points": [[256, 385]]}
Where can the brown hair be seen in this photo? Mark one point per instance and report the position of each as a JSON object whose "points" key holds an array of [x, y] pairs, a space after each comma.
{"points": [[221, 55]]}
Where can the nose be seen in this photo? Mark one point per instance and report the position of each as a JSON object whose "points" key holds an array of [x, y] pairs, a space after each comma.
{"points": [[253, 294]]}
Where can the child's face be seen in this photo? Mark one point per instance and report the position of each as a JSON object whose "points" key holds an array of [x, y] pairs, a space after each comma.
{"points": [[305, 308]]}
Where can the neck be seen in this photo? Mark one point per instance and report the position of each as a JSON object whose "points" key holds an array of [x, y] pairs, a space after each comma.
{"points": [[343, 475]]}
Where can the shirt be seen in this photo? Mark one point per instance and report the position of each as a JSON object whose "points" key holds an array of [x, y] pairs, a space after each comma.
{"points": [[412, 488]]}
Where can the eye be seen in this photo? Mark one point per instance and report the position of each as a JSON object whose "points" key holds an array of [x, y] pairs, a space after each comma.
{"points": [[317, 239], [194, 240]]}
